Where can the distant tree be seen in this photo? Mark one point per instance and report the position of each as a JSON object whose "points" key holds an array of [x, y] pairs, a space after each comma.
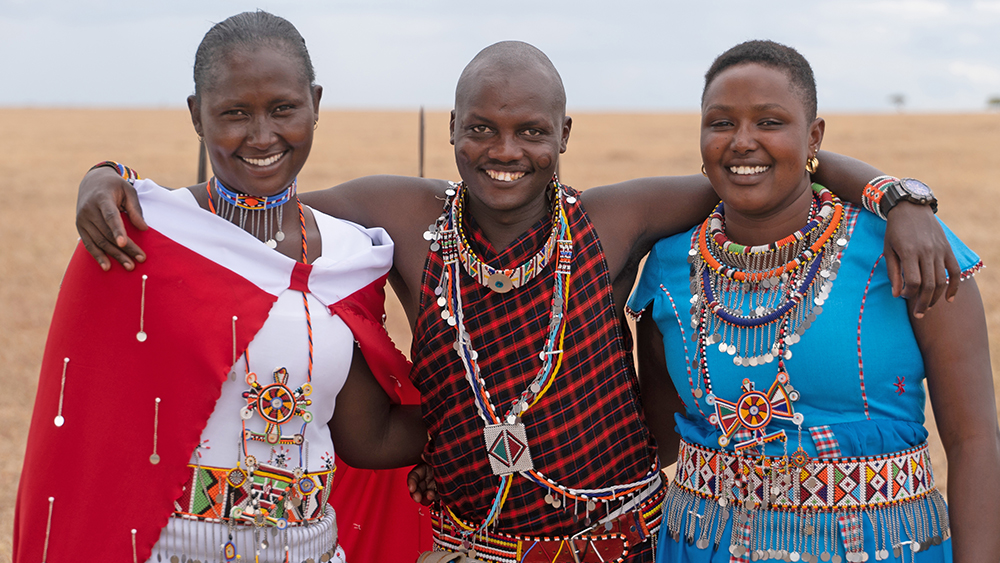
{"points": [[897, 100], [993, 102]]}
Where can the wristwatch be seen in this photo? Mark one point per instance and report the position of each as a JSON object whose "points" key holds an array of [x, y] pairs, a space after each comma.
{"points": [[907, 189]]}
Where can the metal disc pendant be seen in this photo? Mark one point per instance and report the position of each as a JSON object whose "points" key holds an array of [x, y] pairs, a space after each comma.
{"points": [[154, 459], [140, 336], [271, 243], [697, 393], [59, 421], [499, 283], [279, 236]]}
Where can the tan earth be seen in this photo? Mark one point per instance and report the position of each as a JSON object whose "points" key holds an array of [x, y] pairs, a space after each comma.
{"points": [[47, 151]]}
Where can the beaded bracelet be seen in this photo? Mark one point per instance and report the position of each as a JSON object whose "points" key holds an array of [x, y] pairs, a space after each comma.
{"points": [[125, 172], [871, 197]]}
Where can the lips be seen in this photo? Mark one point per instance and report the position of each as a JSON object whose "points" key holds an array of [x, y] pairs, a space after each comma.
{"points": [[503, 176], [263, 162]]}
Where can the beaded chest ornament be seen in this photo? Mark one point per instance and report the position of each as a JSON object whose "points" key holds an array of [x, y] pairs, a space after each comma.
{"points": [[505, 438], [755, 302], [275, 402]]}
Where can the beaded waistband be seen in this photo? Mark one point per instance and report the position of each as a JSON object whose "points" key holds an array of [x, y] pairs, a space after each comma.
{"points": [[609, 540], [810, 511], [264, 496], [818, 484]]}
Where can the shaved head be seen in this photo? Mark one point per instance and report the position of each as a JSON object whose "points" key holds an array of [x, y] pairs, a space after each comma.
{"points": [[506, 59]]}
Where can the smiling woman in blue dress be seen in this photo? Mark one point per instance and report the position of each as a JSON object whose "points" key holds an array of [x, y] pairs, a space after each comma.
{"points": [[795, 375]]}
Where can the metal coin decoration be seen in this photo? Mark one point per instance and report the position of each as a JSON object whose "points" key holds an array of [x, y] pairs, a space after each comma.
{"points": [[507, 446], [499, 282]]}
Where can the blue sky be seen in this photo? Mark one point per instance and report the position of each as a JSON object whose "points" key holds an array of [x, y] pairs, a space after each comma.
{"points": [[631, 55]]}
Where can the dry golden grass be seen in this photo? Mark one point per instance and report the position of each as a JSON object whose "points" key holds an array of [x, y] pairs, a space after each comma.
{"points": [[48, 150]]}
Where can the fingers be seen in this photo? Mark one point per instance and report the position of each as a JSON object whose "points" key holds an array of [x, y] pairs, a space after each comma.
{"points": [[954, 275], [133, 208], [894, 269]]}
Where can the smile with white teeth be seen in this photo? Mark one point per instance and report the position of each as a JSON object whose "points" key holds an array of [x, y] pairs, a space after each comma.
{"points": [[505, 176], [263, 161], [747, 170]]}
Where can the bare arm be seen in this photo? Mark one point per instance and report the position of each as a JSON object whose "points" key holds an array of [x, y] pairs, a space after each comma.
{"points": [[914, 242], [955, 348], [659, 396], [368, 430]]}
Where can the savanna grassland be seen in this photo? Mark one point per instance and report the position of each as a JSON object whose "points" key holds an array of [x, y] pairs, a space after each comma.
{"points": [[47, 151]]}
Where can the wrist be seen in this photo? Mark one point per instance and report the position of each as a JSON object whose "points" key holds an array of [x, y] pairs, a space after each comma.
{"points": [[906, 189], [874, 192], [123, 171]]}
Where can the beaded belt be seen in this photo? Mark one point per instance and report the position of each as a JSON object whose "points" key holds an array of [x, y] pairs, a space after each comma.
{"points": [[808, 509], [610, 540], [820, 483], [285, 498]]}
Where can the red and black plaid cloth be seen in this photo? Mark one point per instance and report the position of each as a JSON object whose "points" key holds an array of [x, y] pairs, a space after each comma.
{"points": [[587, 431]]}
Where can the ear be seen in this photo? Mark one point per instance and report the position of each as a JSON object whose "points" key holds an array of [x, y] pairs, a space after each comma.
{"points": [[317, 92], [195, 109], [451, 128], [567, 125], [816, 130]]}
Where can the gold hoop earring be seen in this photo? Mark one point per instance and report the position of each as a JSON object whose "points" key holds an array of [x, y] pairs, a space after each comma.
{"points": [[812, 165], [703, 172]]}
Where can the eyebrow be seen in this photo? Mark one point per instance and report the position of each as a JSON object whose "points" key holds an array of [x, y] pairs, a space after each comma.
{"points": [[758, 107]]}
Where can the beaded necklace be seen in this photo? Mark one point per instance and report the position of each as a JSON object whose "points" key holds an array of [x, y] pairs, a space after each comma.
{"points": [[755, 303], [264, 213], [505, 437]]}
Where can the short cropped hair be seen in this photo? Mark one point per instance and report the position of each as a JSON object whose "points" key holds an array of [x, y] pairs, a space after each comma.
{"points": [[774, 55]]}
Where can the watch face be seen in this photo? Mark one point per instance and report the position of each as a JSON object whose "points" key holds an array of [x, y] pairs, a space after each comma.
{"points": [[916, 188]]}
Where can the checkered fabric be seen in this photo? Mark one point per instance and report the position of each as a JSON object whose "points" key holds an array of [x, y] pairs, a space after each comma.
{"points": [[587, 431], [825, 441]]}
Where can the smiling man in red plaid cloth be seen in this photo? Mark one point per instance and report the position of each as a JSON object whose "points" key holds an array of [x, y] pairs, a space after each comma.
{"points": [[538, 443]]}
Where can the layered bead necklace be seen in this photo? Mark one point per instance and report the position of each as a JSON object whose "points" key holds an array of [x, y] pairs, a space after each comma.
{"points": [[755, 302], [505, 437], [264, 214]]}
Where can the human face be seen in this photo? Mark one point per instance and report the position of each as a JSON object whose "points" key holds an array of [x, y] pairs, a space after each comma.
{"points": [[508, 131], [755, 140], [257, 120]]}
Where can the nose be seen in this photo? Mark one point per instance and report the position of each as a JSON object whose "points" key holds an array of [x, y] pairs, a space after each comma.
{"points": [[505, 148], [743, 140], [261, 133]]}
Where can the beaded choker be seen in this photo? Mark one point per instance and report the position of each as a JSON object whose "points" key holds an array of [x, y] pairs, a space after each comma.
{"points": [[263, 213], [502, 280]]}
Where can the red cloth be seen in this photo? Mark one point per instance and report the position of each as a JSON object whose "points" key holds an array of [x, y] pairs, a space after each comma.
{"points": [[97, 466]]}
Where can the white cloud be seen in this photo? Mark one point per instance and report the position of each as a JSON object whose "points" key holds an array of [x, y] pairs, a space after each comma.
{"points": [[977, 73]]}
